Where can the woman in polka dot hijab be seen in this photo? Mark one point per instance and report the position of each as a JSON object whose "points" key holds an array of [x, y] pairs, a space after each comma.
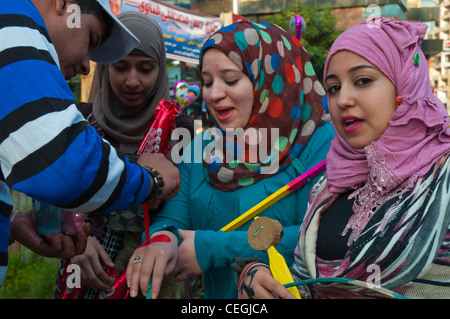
{"points": [[287, 96], [254, 77]]}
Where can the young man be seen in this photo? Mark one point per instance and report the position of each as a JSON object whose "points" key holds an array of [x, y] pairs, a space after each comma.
{"points": [[47, 150]]}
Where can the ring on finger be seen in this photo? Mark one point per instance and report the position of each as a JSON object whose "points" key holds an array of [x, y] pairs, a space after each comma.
{"points": [[137, 260]]}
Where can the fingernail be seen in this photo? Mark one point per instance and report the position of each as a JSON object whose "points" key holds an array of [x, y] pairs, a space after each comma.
{"points": [[133, 293]]}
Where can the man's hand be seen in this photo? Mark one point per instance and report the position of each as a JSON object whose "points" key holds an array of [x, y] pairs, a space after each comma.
{"points": [[23, 229], [169, 172]]}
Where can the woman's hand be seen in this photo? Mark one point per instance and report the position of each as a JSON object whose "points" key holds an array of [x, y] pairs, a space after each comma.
{"points": [[92, 272], [258, 283], [152, 261], [187, 263]]}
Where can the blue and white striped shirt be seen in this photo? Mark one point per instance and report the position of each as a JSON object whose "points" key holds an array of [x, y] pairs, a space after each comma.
{"points": [[47, 150]]}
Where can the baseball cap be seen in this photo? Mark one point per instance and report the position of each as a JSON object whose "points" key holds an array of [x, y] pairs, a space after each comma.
{"points": [[119, 43]]}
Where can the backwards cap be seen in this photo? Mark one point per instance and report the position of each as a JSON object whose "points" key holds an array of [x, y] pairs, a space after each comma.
{"points": [[119, 43]]}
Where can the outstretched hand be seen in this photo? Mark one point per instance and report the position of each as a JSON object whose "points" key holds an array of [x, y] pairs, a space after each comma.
{"points": [[90, 262], [23, 229], [150, 263]]}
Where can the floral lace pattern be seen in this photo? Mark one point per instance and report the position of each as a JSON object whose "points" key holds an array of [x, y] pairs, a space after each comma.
{"points": [[381, 185]]}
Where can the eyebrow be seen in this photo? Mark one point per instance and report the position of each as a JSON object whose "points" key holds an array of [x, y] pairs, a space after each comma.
{"points": [[351, 70], [225, 71]]}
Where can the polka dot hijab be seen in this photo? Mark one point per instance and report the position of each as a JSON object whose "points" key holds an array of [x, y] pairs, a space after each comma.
{"points": [[289, 104]]}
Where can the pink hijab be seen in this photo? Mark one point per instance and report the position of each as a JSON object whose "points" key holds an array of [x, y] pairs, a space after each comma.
{"points": [[418, 133]]}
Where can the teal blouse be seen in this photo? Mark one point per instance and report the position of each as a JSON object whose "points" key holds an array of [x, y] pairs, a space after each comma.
{"points": [[205, 209]]}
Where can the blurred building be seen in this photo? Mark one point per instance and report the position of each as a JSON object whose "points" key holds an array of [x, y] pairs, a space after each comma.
{"points": [[435, 13]]}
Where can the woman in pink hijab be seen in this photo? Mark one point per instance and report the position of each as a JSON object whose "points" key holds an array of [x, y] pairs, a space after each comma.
{"points": [[377, 225]]}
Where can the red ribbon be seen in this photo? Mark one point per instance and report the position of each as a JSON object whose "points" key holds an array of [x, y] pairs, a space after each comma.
{"points": [[156, 239]]}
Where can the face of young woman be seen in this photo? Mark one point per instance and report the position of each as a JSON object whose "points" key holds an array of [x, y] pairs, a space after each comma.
{"points": [[361, 98], [133, 78], [227, 91]]}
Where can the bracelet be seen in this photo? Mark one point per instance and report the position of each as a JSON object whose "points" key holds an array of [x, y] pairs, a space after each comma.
{"points": [[159, 183], [11, 218], [13, 215]]}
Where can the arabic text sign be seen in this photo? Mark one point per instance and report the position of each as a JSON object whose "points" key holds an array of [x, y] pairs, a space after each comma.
{"points": [[184, 31]]}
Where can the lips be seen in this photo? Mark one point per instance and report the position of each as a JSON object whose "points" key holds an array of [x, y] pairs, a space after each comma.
{"points": [[224, 113], [351, 123], [132, 95]]}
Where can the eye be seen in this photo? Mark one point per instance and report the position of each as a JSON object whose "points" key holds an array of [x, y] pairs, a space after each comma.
{"points": [[332, 89], [207, 81], [120, 67], [231, 82], [146, 70], [93, 42], [363, 81], [146, 67]]}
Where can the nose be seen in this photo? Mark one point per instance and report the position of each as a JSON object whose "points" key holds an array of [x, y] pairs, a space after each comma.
{"points": [[216, 92], [132, 79], [345, 97], [85, 67]]}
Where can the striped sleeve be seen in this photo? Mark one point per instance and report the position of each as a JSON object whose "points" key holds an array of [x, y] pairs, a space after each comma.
{"points": [[47, 150]]}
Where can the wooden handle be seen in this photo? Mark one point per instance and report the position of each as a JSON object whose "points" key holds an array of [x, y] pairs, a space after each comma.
{"points": [[263, 233]]}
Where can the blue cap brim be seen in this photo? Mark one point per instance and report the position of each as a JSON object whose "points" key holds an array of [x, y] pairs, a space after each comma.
{"points": [[119, 43]]}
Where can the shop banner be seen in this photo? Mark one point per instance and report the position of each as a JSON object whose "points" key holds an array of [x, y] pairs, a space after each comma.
{"points": [[184, 31]]}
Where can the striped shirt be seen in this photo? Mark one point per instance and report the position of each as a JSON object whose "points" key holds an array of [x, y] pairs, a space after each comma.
{"points": [[405, 247], [47, 149]]}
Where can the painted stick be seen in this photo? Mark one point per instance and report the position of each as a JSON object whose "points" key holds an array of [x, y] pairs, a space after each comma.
{"points": [[280, 270], [275, 197]]}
